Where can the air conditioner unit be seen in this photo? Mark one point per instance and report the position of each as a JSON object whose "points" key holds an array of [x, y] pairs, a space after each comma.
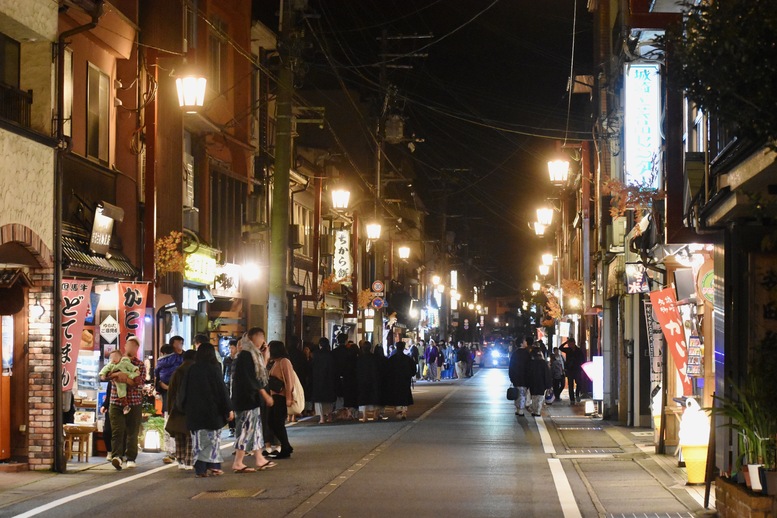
{"points": [[296, 238], [616, 235]]}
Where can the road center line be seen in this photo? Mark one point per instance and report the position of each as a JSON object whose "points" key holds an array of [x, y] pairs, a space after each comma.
{"points": [[330, 487], [565, 496]]}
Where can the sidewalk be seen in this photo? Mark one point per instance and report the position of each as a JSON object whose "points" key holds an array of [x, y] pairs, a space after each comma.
{"points": [[619, 469]]}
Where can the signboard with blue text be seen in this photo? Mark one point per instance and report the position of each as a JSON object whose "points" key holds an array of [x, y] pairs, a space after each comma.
{"points": [[642, 124]]}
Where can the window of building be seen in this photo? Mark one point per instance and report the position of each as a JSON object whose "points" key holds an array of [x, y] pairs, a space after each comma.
{"points": [[190, 21], [303, 217], [217, 55], [97, 114], [9, 61]]}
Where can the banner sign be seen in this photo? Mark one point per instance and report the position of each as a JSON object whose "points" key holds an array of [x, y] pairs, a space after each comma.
{"points": [[73, 309], [655, 343], [665, 308], [132, 309], [636, 278], [342, 257], [642, 124]]}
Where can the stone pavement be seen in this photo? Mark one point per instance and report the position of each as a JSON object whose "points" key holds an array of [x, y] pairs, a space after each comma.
{"points": [[619, 469]]}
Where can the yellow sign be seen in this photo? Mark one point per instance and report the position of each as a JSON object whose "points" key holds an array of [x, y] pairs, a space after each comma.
{"points": [[200, 267]]}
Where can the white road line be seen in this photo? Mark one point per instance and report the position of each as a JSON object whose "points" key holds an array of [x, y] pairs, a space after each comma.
{"points": [[565, 496], [70, 498], [547, 442]]}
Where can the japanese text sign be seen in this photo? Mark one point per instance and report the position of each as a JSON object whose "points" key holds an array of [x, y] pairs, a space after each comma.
{"points": [[73, 308], [665, 310], [342, 256], [132, 309]]}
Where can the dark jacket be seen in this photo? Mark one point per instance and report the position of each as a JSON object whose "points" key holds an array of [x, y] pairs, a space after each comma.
{"points": [[204, 398], [322, 376], [462, 354], [519, 367], [166, 366], [539, 376], [369, 380], [245, 384], [575, 358], [345, 359], [400, 370], [176, 420]]}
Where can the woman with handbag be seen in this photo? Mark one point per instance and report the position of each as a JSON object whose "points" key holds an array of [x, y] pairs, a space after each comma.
{"points": [[281, 385]]}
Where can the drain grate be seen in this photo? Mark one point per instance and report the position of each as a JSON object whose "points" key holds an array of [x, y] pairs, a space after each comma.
{"points": [[579, 451], [642, 434], [593, 428], [650, 515], [218, 494]]}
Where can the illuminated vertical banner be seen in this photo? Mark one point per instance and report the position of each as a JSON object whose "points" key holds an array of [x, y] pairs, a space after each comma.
{"points": [[342, 257], [642, 125], [665, 308], [132, 310], [73, 307]]}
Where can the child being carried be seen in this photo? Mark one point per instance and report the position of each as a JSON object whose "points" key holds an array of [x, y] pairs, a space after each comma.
{"points": [[119, 363]]}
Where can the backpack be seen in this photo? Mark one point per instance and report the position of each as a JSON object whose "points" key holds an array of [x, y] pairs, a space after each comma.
{"points": [[298, 406]]}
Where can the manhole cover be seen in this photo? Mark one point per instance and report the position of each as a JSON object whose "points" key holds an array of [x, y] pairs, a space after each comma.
{"points": [[228, 493]]}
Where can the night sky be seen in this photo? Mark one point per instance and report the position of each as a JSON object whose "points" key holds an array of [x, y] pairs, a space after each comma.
{"points": [[484, 100]]}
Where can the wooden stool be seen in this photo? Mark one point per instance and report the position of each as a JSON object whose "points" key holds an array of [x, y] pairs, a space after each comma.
{"points": [[77, 441]]}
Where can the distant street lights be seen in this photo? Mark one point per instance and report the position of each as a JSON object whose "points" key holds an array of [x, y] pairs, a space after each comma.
{"points": [[340, 198], [404, 252]]}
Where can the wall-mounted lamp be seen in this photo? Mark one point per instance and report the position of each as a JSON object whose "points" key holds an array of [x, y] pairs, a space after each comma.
{"points": [[544, 270], [373, 231], [191, 91], [536, 286], [539, 228], [558, 171], [404, 252], [547, 259], [340, 198], [435, 279], [37, 310], [545, 216]]}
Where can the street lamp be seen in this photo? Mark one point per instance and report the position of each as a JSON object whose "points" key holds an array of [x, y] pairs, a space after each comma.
{"points": [[373, 231], [547, 259], [340, 199], [404, 252], [539, 228], [545, 216], [536, 286], [559, 172], [544, 270], [435, 279], [191, 91]]}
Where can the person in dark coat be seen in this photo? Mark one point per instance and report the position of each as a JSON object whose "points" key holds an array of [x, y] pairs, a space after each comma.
{"points": [[519, 374], [368, 380], [207, 408], [322, 381], [540, 380], [176, 420], [575, 358], [345, 357], [400, 369]]}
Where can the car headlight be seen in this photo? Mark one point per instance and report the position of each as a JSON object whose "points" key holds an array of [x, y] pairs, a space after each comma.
{"points": [[495, 354]]}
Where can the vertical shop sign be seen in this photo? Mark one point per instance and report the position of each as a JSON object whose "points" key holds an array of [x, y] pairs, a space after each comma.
{"points": [[342, 257], [665, 306], [655, 343], [695, 355], [132, 308], [73, 308], [642, 121]]}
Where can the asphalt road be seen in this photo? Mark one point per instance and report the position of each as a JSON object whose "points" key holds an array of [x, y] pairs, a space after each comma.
{"points": [[462, 452]]}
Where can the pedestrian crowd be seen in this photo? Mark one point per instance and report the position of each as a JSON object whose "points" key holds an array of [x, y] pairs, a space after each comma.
{"points": [[540, 377]]}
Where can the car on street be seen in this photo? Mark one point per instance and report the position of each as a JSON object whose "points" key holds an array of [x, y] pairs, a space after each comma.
{"points": [[495, 355]]}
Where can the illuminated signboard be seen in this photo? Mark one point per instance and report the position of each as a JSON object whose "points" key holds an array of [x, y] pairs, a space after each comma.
{"points": [[200, 267], [342, 258], [642, 124]]}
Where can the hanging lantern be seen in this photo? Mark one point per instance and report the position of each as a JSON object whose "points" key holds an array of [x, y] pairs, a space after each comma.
{"points": [[191, 91]]}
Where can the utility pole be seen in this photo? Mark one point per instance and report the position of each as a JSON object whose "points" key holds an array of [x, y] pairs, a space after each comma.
{"points": [[279, 219]]}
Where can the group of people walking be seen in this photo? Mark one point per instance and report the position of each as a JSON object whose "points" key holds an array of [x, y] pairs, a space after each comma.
{"points": [[358, 379], [539, 381], [437, 361], [253, 390]]}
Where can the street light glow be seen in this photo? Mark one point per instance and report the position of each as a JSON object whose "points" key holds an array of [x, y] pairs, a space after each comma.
{"points": [[559, 172], [535, 286], [340, 198], [544, 270], [191, 91], [373, 231], [547, 259], [545, 216], [435, 279], [539, 228], [404, 252]]}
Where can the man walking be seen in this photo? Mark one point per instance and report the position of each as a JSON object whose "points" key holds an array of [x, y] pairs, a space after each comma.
{"points": [[125, 427], [519, 374], [575, 358]]}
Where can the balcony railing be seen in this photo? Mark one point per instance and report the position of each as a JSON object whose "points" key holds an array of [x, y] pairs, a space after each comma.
{"points": [[15, 105]]}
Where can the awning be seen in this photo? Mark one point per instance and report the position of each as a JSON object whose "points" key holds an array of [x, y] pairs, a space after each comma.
{"points": [[78, 259]]}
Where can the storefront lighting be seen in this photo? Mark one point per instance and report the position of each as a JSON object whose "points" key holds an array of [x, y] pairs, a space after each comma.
{"points": [[574, 302], [458, 296], [404, 252], [559, 172], [413, 313], [440, 288], [435, 279], [251, 272], [373, 231], [37, 311], [471, 306], [109, 298], [544, 270], [191, 91], [496, 320], [479, 307], [547, 259], [539, 228], [340, 198], [545, 216]]}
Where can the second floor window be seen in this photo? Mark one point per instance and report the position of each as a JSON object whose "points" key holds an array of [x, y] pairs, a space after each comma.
{"points": [[9, 61], [97, 114], [217, 56]]}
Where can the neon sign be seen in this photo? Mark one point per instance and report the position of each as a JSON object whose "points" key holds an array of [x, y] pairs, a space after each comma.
{"points": [[642, 124]]}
